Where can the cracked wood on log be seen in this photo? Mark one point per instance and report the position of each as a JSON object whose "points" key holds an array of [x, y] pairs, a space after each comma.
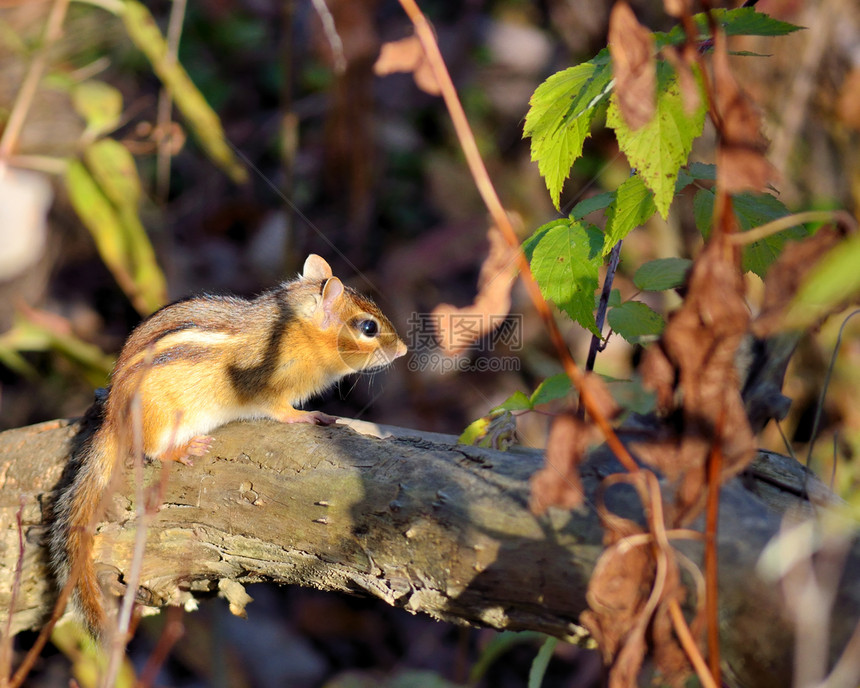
{"points": [[415, 520]]}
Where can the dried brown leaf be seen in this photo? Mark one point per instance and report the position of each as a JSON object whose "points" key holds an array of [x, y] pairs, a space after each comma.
{"points": [[457, 328], [634, 66], [558, 482], [617, 592], [697, 351], [785, 275], [407, 55], [605, 403], [741, 165]]}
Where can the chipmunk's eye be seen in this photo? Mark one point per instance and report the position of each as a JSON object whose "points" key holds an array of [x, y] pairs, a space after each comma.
{"points": [[368, 327]]}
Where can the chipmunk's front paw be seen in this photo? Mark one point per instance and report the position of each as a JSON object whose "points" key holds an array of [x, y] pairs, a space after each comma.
{"points": [[312, 417]]}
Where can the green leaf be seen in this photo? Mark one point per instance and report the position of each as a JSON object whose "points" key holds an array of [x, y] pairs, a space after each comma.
{"points": [[662, 274], [99, 104], [565, 257], [635, 321], [114, 170], [541, 661], [589, 205], [657, 150], [741, 21], [518, 401], [113, 167], [834, 281], [751, 210], [634, 204], [556, 140], [474, 431], [596, 90], [201, 119], [554, 387]]}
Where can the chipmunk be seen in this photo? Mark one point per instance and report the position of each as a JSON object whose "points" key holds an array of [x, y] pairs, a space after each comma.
{"points": [[203, 362]]}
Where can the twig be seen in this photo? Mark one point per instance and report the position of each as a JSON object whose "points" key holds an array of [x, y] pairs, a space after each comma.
{"points": [[774, 227], [597, 344], [682, 630], [715, 464], [24, 99], [332, 36], [165, 105], [488, 193], [173, 631]]}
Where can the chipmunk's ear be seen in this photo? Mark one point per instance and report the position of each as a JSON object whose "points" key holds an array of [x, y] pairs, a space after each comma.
{"points": [[316, 268], [332, 291]]}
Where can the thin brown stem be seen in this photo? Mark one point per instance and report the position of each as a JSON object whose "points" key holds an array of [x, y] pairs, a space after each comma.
{"points": [[715, 463], [491, 199]]}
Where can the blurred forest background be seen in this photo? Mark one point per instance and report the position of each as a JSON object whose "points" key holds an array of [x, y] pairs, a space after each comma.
{"points": [[366, 171]]}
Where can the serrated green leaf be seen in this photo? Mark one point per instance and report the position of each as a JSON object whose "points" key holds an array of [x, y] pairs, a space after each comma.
{"points": [[596, 90], [201, 119], [554, 387], [634, 204], [100, 105], [741, 21], [702, 170], [751, 210], [657, 150], [518, 401], [662, 274], [589, 205], [565, 256], [556, 142], [635, 321], [834, 281]]}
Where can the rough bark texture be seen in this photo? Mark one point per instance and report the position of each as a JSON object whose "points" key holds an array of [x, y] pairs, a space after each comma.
{"points": [[419, 522]]}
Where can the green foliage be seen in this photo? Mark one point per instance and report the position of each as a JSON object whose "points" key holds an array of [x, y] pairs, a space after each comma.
{"points": [[99, 104], [554, 387], [636, 322], [751, 210], [558, 125], [741, 21], [633, 206], [565, 256], [662, 274], [657, 150]]}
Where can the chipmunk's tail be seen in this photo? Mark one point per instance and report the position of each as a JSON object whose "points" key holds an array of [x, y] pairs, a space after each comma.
{"points": [[77, 508]]}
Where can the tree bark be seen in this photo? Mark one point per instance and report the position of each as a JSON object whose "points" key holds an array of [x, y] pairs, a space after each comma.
{"points": [[416, 520]]}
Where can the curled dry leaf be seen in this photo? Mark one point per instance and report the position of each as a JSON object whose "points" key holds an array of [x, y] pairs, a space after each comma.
{"points": [[696, 356], [407, 55], [785, 275], [741, 164], [629, 593], [457, 328], [604, 402], [558, 482], [617, 594], [634, 66]]}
